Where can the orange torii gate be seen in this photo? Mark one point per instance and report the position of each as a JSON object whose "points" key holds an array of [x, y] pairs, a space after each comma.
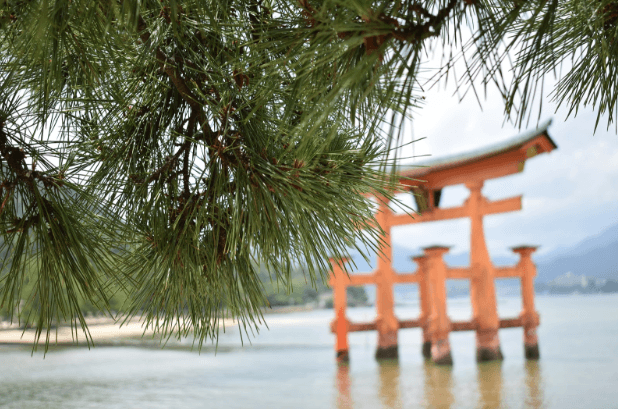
{"points": [[471, 170]]}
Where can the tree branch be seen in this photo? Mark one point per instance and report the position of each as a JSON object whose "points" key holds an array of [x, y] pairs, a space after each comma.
{"points": [[414, 33], [169, 68]]}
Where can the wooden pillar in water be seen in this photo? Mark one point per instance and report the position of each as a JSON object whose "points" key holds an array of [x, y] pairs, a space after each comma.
{"points": [[482, 287], [340, 325], [423, 289], [529, 315], [439, 323], [387, 324]]}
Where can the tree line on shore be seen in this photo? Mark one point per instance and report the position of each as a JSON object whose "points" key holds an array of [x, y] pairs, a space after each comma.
{"points": [[298, 290]]}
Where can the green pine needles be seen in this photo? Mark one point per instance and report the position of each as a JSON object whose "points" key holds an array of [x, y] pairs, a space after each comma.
{"points": [[168, 149]]}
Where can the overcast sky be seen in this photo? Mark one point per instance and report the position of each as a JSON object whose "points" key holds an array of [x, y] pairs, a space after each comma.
{"points": [[568, 195]]}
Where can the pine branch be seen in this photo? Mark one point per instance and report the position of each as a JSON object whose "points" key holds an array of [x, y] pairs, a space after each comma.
{"points": [[265, 128], [15, 159], [415, 33], [169, 68]]}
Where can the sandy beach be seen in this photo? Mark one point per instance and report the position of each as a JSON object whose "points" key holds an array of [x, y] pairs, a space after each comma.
{"points": [[102, 331], [107, 331]]}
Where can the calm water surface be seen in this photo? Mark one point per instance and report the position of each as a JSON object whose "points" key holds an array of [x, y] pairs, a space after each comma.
{"points": [[292, 365]]}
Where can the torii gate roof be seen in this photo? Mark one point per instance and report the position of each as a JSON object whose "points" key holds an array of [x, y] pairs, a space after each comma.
{"points": [[497, 160]]}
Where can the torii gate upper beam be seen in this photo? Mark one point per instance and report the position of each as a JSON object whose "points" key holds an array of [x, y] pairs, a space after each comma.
{"points": [[494, 161]]}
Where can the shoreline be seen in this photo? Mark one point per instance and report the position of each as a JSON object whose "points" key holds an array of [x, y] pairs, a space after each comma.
{"points": [[102, 331], [106, 331]]}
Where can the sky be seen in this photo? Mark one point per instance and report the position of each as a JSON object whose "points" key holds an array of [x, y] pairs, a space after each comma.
{"points": [[569, 194]]}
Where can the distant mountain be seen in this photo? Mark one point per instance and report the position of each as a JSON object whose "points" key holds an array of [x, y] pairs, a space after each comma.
{"points": [[403, 263], [595, 256]]}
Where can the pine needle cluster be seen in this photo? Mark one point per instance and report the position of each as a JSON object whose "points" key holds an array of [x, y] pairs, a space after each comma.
{"points": [[168, 148]]}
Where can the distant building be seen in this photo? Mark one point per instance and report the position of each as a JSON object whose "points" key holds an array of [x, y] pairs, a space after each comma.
{"points": [[600, 282], [569, 280], [570, 283]]}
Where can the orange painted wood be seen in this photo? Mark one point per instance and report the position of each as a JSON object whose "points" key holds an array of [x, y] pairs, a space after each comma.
{"points": [[410, 324], [462, 273], [489, 168], [507, 272], [407, 278], [417, 323], [511, 323], [432, 273], [430, 216], [387, 324], [362, 326], [425, 300], [529, 315], [483, 294], [488, 165], [502, 206], [463, 326], [339, 281], [362, 279], [487, 207], [439, 323]]}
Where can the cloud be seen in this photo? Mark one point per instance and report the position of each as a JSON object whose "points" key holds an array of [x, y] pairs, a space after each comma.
{"points": [[569, 194]]}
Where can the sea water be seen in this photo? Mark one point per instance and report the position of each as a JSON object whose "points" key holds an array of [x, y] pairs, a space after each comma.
{"points": [[292, 364]]}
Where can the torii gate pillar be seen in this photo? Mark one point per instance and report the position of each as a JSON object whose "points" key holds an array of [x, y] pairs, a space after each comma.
{"points": [[529, 315], [423, 284], [387, 323], [482, 287], [340, 326], [439, 323]]}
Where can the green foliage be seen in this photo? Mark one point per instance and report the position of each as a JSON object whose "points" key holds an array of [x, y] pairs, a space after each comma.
{"points": [[296, 289], [357, 296], [167, 148], [27, 312]]}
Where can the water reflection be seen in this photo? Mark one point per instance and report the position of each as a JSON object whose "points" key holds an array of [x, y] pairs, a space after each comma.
{"points": [[390, 395], [438, 386], [388, 386], [344, 397], [489, 378], [440, 390], [534, 385]]}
